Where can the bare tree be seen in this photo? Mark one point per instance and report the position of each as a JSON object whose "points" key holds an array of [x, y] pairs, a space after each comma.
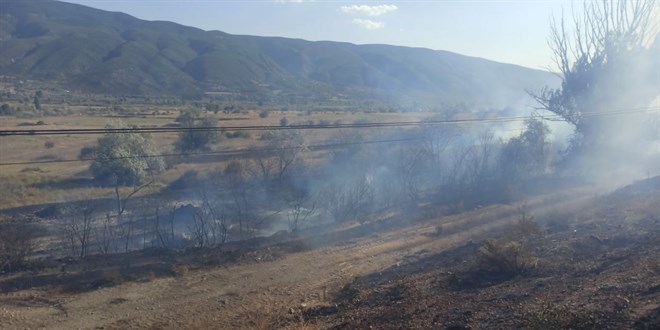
{"points": [[410, 166], [480, 160], [218, 225], [164, 231], [435, 141], [302, 204], [121, 204], [471, 171], [199, 228], [236, 179], [283, 151], [209, 225], [608, 63], [349, 199], [78, 227], [107, 233]]}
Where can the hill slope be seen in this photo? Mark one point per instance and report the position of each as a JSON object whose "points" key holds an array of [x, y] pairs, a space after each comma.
{"points": [[114, 53]]}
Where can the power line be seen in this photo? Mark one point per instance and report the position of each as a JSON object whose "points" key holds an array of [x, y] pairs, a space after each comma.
{"points": [[86, 131], [236, 152]]}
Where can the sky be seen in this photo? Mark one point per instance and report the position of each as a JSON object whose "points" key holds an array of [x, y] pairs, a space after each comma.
{"points": [[504, 31]]}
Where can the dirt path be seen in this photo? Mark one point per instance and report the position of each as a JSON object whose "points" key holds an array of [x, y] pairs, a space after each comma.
{"points": [[242, 296]]}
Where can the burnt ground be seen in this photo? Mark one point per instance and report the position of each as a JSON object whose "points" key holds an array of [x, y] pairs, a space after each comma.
{"points": [[580, 261], [597, 268]]}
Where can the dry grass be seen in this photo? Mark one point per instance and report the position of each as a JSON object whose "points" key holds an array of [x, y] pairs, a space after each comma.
{"points": [[55, 182], [180, 270], [37, 188], [113, 276], [260, 319], [560, 316]]}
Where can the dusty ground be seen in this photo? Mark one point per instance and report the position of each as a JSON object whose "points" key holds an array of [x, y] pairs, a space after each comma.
{"points": [[595, 264], [602, 271]]}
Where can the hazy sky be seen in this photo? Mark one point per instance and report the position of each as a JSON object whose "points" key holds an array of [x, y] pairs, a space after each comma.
{"points": [[504, 31]]}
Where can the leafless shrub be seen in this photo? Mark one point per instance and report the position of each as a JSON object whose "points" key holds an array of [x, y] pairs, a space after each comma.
{"points": [[302, 204], [107, 233], [410, 167], [199, 229], [353, 199], [78, 227], [17, 243], [164, 228], [526, 227], [209, 227], [284, 152]]}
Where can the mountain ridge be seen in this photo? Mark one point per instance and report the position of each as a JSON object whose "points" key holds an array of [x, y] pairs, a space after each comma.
{"points": [[115, 53]]}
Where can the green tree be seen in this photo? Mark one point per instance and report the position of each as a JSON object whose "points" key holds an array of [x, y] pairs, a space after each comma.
{"points": [[199, 131], [526, 155], [37, 103], [124, 158], [6, 110]]}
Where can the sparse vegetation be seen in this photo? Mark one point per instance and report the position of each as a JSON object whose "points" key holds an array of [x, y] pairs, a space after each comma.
{"points": [[526, 227], [424, 218], [17, 243], [560, 316]]}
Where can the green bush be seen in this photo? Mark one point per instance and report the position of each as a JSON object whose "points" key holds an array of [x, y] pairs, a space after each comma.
{"points": [[237, 134], [194, 138], [124, 158]]}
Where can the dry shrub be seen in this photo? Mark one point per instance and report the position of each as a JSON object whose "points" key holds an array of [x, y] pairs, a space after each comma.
{"points": [[113, 276], [439, 230], [150, 276], [17, 242], [560, 316], [117, 301], [526, 227], [180, 270], [502, 257], [556, 221], [260, 319]]}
